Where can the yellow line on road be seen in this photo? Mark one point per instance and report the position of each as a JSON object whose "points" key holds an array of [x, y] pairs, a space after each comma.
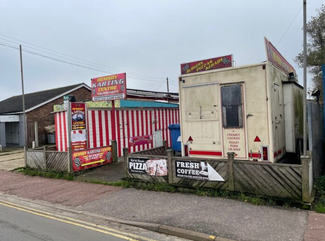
{"points": [[80, 221], [52, 216]]}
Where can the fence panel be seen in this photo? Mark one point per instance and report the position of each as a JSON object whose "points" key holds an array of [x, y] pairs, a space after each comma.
{"points": [[158, 151], [274, 180], [35, 159], [57, 161], [260, 178]]}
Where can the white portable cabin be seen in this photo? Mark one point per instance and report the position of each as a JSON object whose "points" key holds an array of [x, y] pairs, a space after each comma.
{"points": [[254, 111]]}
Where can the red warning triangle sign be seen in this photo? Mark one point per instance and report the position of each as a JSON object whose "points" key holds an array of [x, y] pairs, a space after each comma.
{"points": [[257, 139], [190, 139]]}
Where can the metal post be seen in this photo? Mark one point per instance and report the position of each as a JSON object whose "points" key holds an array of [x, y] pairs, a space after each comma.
{"points": [[113, 121], [305, 83], [23, 99], [323, 68], [70, 166], [167, 90], [36, 133]]}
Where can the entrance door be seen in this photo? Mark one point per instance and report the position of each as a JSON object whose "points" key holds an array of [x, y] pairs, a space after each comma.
{"points": [[12, 133], [233, 122], [158, 141]]}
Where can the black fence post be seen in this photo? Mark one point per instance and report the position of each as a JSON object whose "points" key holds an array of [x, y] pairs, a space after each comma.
{"points": [[170, 165], [114, 151], [125, 161]]}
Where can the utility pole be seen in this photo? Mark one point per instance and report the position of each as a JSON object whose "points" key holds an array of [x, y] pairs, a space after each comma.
{"points": [[23, 100], [167, 90], [305, 82]]}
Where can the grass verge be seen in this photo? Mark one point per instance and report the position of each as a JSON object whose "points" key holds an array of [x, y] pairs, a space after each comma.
{"points": [[319, 202], [54, 175]]}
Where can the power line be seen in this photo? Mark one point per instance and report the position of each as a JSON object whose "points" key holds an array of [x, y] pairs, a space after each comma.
{"points": [[77, 64], [62, 55], [289, 27]]}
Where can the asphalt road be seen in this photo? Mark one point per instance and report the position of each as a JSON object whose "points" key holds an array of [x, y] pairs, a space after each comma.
{"points": [[19, 222], [19, 225]]}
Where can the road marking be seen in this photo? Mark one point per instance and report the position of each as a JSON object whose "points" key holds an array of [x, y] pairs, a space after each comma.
{"points": [[75, 222]]}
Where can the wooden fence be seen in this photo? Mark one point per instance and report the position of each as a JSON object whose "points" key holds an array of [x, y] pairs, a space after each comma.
{"points": [[47, 160], [266, 179]]}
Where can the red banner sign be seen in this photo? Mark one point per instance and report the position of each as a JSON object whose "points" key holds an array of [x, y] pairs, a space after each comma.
{"points": [[140, 140], [207, 64], [112, 87], [91, 158], [274, 57]]}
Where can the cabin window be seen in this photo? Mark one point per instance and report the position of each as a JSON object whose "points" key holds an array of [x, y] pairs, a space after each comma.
{"points": [[231, 98]]}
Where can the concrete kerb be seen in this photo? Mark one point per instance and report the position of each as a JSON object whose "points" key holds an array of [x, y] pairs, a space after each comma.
{"points": [[160, 228], [10, 153]]}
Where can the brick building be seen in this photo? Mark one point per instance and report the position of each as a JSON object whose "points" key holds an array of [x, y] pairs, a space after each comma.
{"points": [[39, 106]]}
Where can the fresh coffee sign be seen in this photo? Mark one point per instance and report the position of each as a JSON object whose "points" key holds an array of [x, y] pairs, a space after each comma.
{"points": [[199, 170]]}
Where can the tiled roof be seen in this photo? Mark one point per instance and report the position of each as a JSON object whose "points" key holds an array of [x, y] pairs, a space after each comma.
{"points": [[14, 104]]}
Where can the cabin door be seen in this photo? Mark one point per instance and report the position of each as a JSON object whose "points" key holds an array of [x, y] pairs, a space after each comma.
{"points": [[233, 121]]}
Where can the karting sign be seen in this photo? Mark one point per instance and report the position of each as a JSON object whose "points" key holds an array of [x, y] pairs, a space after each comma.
{"points": [[91, 158], [112, 87]]}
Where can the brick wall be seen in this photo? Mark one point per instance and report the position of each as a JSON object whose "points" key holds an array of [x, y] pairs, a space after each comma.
{"points": [[44, 117]]}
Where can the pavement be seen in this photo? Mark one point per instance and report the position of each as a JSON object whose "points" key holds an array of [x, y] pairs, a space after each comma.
{"points": [[185, 215], [12, 160]]}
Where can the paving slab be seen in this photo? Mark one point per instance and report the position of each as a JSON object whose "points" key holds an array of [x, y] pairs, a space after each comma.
{"points": [[316, 227], [55, 191], [10, 161]]}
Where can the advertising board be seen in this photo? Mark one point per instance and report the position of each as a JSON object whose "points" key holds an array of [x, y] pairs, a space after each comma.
{"points": [[112, 87], [78, 140], [91, 158], [78, 116], [207, 64], [140, 140], [147, 166], [198, 170], [274, 57]]}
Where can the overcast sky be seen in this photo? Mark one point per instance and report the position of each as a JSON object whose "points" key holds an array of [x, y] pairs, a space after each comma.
{"points": [[146, 39]]}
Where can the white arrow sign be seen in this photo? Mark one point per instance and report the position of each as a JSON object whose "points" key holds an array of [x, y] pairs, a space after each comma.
{"points": [[214, 175]]}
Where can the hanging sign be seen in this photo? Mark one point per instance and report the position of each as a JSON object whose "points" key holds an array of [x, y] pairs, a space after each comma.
{"points": [[112, 87], [140, 140]]}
